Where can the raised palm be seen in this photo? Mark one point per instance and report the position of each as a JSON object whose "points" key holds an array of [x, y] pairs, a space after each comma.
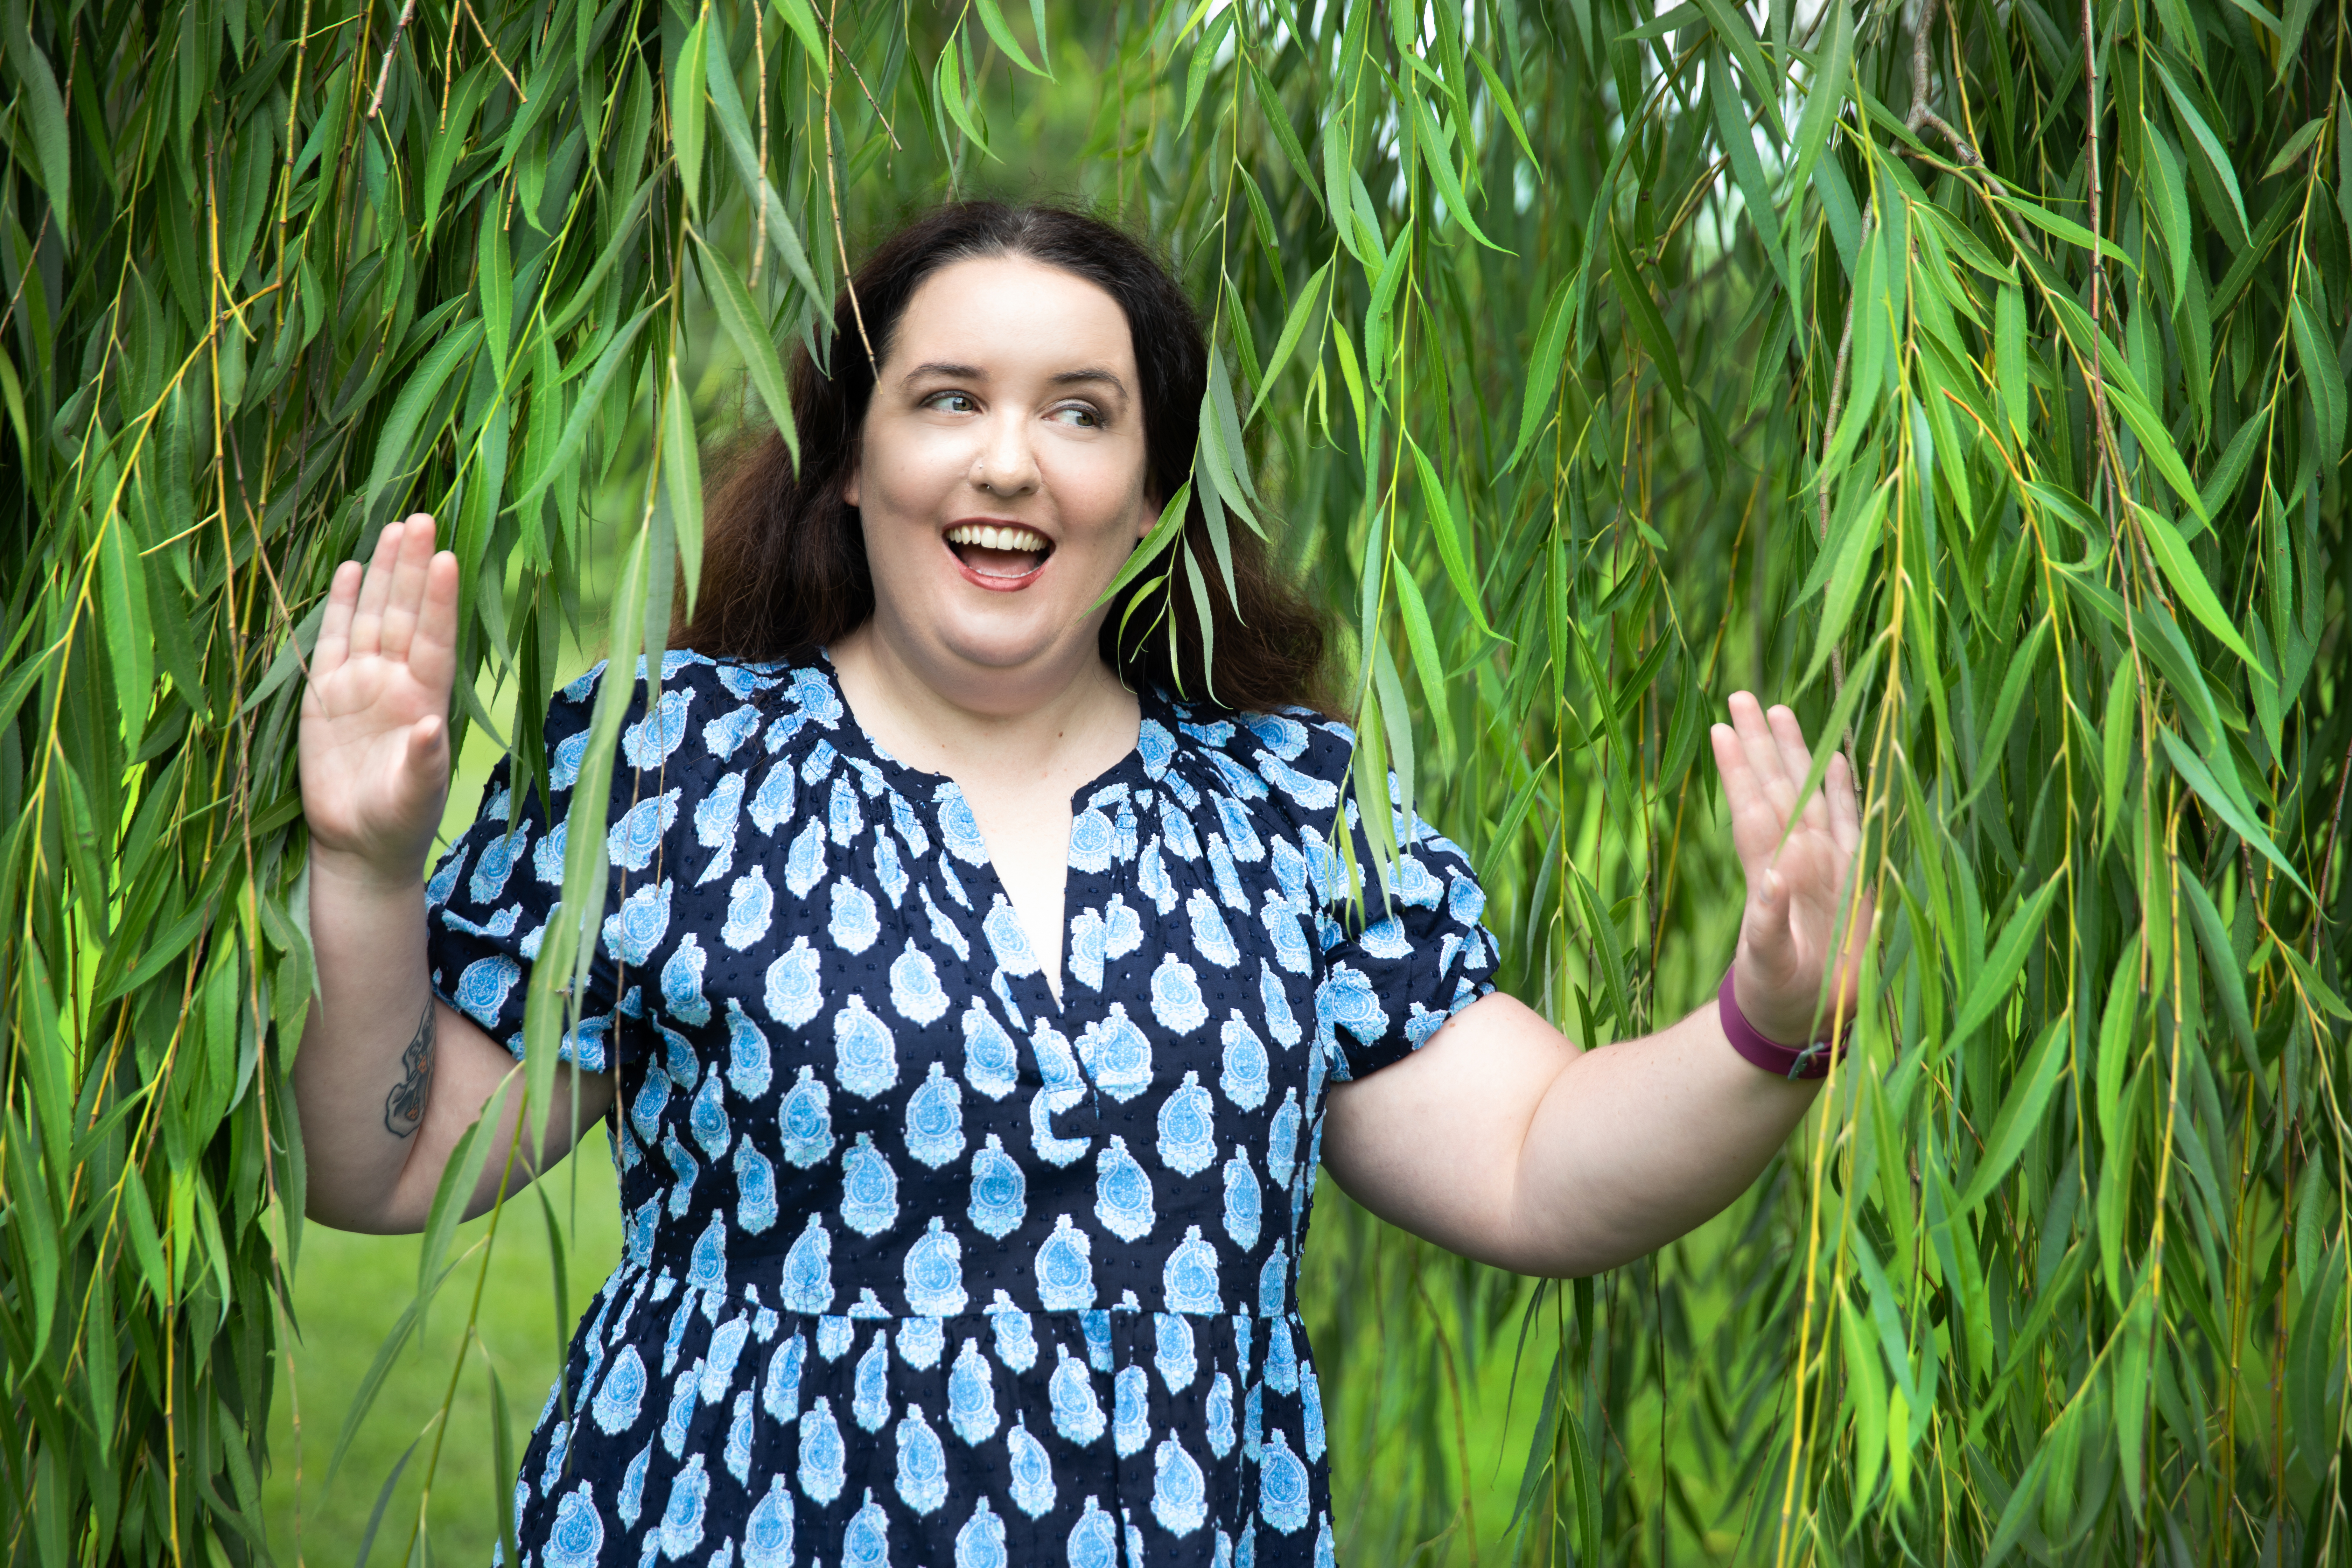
{"points": [[1801, 922], [375, 716]]}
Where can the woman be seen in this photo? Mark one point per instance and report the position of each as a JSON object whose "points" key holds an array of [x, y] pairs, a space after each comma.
{"points": [[972, 1011]]}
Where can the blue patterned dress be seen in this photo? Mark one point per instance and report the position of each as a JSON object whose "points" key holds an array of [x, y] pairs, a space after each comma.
{"points": [[924, 1267]]}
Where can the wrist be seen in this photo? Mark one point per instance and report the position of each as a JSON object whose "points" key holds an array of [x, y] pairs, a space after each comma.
{"points": [[1809, 1060], [372, 876], [1774, 1017]]}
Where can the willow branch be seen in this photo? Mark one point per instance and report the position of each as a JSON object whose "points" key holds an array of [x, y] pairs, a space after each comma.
{"points": [[2327, 854], [760, 222], [2102, 456], [383, 72], [833, 195], [833, 46], [1921, 116], [491, 44]]}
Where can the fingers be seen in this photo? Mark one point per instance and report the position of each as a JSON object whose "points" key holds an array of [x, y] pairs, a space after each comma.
{"points": [[1781, 759], [1754, 728], [1743, 791], [335, 631], [433, 647], [1846, 811], [1797, 760], [1772, 798], [409, 571], [376, 591], [1731, 761]]}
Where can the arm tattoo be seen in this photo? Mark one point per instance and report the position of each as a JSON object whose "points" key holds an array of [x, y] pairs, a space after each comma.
{"points": [[404, 1108]]}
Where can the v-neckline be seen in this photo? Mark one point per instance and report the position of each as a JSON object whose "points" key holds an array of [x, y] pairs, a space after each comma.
{"points": [[891, 764]]}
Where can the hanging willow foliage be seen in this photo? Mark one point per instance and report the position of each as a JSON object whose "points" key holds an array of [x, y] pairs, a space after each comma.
{"points": [[1973, 376]]}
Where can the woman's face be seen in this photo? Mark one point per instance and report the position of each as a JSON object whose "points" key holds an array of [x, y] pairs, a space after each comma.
{"points": [[1001, 480]]}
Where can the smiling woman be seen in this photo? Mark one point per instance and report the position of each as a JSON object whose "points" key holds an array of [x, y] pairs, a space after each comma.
{"points": [[786, 568], [983, 985]]}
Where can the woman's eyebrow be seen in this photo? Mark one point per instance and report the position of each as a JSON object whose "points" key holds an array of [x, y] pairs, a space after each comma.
{"points": [[1091, 374], [954, 372]]}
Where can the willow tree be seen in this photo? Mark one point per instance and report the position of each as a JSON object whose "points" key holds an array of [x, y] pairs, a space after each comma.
{"points": [[1973, 375]]}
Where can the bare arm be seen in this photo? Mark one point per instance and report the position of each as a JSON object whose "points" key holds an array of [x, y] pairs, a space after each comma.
{"points": [[1504, 1142], [1535, 1156], [387, 1079]]}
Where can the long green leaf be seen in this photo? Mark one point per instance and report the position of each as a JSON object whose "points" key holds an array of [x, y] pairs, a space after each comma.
{"points": [[1993, 981], [742, 320], [2189, 581], [686, 109], [2226, 802], [1642, 313], [2020, 1110], [1451, 547]]}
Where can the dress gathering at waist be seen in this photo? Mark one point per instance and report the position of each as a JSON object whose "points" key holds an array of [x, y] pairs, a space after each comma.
{"points": [[926, 1261]]}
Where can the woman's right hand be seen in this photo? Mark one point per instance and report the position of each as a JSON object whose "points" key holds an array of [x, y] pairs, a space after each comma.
{"points": [[375, 715]]}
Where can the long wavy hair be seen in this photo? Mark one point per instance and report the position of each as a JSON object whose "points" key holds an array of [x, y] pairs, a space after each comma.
{"points": [[783, 566]]}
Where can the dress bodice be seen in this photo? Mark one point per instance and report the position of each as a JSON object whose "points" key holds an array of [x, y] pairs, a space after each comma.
{"points": [[884, 1187]]}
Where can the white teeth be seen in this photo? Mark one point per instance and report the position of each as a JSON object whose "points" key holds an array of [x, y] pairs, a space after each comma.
{"points": [[988, 536]]}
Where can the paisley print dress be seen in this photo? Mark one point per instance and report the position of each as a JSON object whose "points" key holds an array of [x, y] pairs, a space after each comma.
{"points": [[923, 1266]]}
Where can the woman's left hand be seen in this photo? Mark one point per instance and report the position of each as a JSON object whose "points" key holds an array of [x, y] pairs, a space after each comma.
{"points": [[1798, 926]]}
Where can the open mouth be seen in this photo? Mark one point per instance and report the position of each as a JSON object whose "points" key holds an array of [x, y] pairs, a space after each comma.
{"points": [[998, 554]]}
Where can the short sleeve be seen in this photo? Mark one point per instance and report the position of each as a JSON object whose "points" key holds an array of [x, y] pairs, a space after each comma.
{"points": [[1406, 958], [489, 902]]}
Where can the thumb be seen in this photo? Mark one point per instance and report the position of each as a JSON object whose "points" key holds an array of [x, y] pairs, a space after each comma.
{"points": [[428, 743]]}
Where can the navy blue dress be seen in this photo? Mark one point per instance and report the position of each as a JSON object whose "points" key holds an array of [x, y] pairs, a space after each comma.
{"points": [[924, 1267]]}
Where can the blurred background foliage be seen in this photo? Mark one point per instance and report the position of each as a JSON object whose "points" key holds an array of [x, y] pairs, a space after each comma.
{"points": [[1973, 376]]}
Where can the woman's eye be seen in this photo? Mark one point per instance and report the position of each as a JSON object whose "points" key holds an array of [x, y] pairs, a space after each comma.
{"points": [[1083, 417], [953, 401]]}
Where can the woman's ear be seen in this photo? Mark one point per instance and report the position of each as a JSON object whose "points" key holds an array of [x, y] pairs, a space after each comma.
{"points": [[849, 482]]}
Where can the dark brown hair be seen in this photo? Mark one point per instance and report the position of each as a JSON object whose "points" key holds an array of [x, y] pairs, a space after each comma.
{"points": [[784, 564]]}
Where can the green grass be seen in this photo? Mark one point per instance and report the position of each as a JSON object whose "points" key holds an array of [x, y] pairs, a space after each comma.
{"points": [[349, 1292]]}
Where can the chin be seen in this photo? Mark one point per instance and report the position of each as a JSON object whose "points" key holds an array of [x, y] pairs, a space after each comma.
{"points": [[1007, 644]]}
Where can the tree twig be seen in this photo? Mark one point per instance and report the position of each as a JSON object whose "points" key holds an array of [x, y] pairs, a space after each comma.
{"points": [[760, 222], [832, 44], [31, 250], [476, 17], [2102, 456], [1920, 116], [383, 72], [2328, 856], [833, 195]]}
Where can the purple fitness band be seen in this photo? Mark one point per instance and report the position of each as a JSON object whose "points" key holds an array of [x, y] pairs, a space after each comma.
{"points": [[1812, 1061]]}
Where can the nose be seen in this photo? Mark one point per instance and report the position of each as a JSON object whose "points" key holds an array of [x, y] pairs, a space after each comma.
{"points": [[1006, 462]]}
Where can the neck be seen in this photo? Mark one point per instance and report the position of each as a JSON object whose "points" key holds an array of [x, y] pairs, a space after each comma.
{"points": [[985, 725]]}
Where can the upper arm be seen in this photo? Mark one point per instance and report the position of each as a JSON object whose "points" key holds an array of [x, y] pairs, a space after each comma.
{"points": [[1431, 1142]]}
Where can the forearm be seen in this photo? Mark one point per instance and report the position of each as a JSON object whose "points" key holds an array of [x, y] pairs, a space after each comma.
{"points": [[1503, 1141], [363, 1076], [388, 1079], [1633, 1144]]}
